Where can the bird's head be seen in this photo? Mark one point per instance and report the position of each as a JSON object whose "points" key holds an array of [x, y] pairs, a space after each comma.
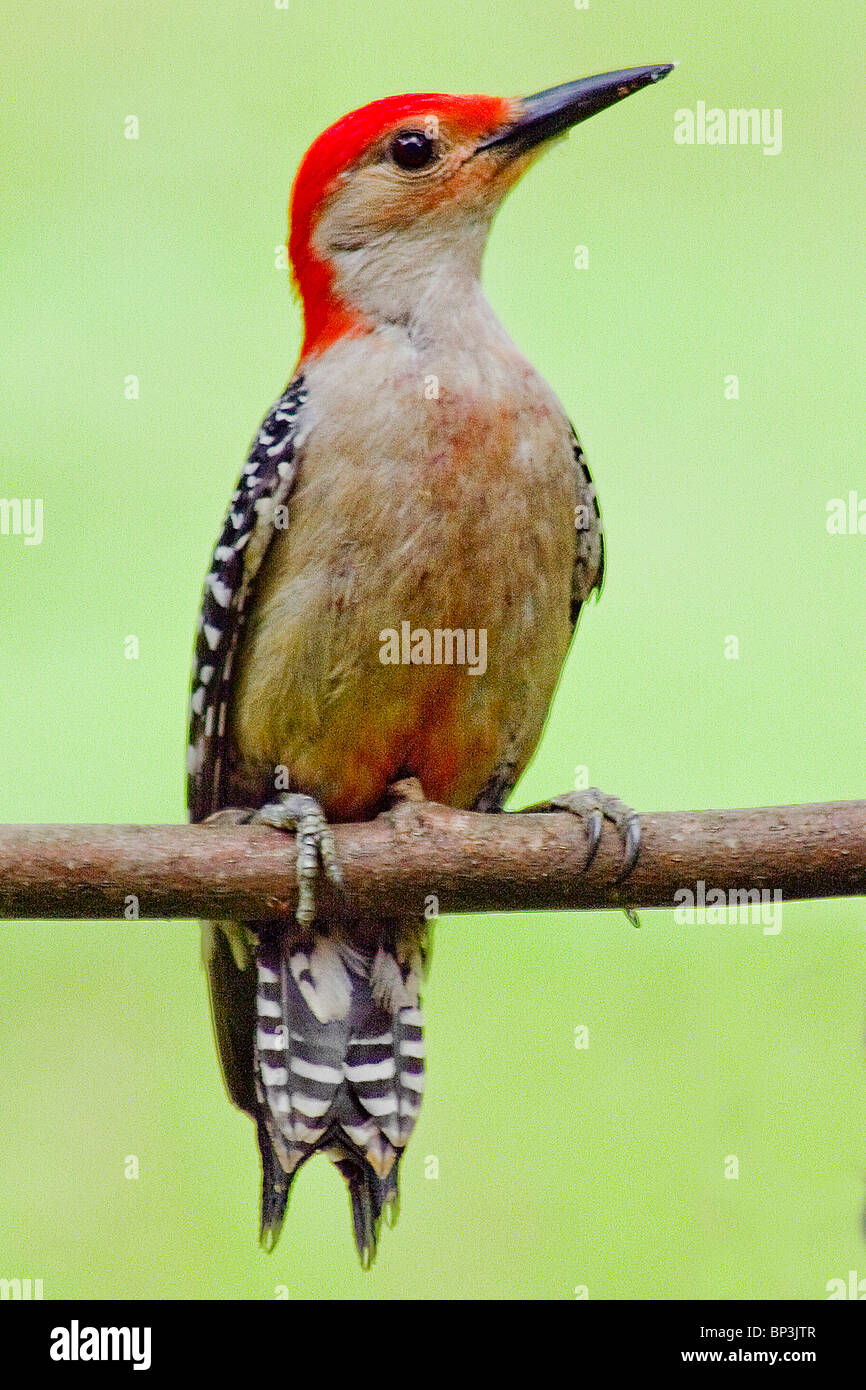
{"points": [[395, 200]]}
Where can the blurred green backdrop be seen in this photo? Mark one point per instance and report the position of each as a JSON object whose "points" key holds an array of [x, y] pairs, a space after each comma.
{"points": [[559, 1168]]}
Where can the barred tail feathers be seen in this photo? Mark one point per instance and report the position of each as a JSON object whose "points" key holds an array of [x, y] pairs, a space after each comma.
{"points": [[339, 1067]]}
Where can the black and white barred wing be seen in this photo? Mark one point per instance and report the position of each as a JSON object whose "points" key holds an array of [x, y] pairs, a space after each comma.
{"points": [[588, 571], [266, 482]]}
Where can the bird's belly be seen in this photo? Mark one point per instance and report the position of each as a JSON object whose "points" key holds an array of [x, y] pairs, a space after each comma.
{"points": [[422, 722], [445, 725], [414, 616]]}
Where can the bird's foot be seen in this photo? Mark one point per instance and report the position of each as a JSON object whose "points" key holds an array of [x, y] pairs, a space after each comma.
{"points": [[315, 846], [315, 843], [593, 808]]}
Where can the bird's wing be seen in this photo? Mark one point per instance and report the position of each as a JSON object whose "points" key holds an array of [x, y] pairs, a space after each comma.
{"points": [[587, 575], [588, 571], [231, 977], [266, 482]]}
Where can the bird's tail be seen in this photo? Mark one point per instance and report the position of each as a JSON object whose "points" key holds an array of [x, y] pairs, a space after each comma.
{"points": [[339, 1066]]}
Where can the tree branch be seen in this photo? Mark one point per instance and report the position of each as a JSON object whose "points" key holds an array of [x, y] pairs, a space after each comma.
{"points": [[467, 861]]}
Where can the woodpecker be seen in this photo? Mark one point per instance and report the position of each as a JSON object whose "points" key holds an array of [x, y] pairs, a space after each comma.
{"points": [[416, 476]]}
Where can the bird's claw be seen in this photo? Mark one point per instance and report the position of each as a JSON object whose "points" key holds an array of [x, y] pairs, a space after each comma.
{"points": [[315, 846], [594, 823], [594, 808]]}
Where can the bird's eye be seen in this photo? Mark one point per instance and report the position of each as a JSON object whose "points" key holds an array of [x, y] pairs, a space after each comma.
{"points": [[412, 149]]}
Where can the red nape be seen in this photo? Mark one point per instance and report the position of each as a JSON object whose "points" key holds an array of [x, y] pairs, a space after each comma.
{"points": [[326, 318]]}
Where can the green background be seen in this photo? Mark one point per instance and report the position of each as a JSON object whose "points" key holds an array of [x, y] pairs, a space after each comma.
{"points": [[558, 1167]]}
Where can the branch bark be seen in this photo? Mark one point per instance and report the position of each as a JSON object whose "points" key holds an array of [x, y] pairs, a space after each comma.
{"points": [[393, 864]]}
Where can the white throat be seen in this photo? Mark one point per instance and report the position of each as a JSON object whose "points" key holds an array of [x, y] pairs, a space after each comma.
{"points": [[414, 276]]}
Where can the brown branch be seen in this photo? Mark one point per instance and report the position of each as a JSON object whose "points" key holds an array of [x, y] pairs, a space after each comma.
{"points": [[468, 862]]}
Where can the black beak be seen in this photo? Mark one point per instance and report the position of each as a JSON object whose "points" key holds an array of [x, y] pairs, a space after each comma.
{"points": [[550, 113]]}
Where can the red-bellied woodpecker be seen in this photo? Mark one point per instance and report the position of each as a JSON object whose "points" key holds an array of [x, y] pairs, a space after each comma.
{"points": [[393, 594]]}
